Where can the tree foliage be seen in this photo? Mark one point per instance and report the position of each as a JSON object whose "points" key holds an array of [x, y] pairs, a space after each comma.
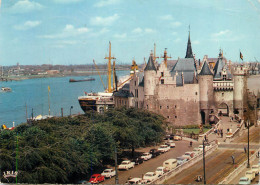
{"points": [[60, 150]]}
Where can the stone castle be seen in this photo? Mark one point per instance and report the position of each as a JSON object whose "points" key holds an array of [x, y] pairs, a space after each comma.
{"points": [[191, 92]]}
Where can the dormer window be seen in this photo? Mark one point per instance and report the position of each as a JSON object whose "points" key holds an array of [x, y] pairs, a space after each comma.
{"points": [[224, 77], [162, 74]]}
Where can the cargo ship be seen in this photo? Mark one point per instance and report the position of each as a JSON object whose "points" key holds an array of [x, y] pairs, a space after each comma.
{"points": [[102, 101], [82, 80]]}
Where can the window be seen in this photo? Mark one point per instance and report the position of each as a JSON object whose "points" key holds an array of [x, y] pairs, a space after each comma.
{"points": [[224, 77], [168, 117], [137, 93], [167, 106], [162, 75], [175, 116], [196, 93], [162, 81], [135, 83], [160, 107], [147, 106], [175, 106]]}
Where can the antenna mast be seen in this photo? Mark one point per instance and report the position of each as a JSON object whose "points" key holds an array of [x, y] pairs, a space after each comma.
{"points": [[109, 68]]}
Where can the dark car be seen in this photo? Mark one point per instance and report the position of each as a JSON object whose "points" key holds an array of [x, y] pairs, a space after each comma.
{"points": [[169, 136], [155, 152], [138, 160]]}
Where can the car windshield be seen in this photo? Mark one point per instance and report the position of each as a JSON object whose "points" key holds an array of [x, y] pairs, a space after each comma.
{"points": [[106, 171], [159, 170], [124, 162], [148, 175], [243, 180]]}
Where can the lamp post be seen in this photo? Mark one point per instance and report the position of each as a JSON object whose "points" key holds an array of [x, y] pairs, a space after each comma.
{"points": [[204, 166], [248, 164], [70, 109]]}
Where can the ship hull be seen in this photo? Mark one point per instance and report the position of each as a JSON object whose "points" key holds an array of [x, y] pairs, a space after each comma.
{"points": [[87, 105]]}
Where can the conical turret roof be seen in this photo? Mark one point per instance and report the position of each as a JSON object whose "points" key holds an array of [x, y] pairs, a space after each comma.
{"points": [[205, 69], [150, 65], [218, 67], [189, 53]]}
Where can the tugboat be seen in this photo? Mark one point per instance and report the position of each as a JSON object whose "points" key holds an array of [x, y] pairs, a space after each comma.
{"points": [[6, 89]]}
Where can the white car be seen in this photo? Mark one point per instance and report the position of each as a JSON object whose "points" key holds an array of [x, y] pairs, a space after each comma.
{"points": [[108, 173], [160, 170], [197, 151], [250, 174], [170, 143], [255, 168], [164, 148], [146, 156], [150, 176], [181, 160], [126, 165], [191, 154], [206, 147], [137, 180]]}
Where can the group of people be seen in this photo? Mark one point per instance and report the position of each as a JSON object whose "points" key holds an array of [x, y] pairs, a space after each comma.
{"points": [[219, 131]]}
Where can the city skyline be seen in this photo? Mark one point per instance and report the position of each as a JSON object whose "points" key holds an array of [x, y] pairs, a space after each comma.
{"points": [[77, 31]]}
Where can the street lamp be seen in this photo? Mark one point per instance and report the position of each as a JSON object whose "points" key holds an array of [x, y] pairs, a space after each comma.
{"points": [[70, 109], [248, 124], [204, 166]]}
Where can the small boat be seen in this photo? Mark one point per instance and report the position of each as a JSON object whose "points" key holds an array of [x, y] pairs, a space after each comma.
{"points": [[83, 80], [6, 89]]}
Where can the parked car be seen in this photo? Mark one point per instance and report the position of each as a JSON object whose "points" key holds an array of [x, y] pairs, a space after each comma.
{"points": [[164, 148], [177, 138], [146, 156], [126, 165], [181, 160], [155, 152], [255, 168], [197, 151], [161, 170], [108, 173], [138, 160], [168, 136], [170, 164], [206, 147], [150, 176], [137, 181], [186, 156], [191, 154], [96, 179], [170, 143], [244, 180], [250, 174]]}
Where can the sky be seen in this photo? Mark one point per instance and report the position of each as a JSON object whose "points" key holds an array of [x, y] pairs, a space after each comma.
{"points": [[71, 32]]}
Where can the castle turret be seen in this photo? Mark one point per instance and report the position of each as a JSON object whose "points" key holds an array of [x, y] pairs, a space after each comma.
{"points": [[240, 86], [206, 92], [149, 77]]}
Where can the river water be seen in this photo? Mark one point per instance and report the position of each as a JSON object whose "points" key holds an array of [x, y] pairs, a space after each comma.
{"points": [[33, 94]]}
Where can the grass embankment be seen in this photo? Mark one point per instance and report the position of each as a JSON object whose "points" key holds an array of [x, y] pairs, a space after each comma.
{"points": [[194, 130], [63, 150]]}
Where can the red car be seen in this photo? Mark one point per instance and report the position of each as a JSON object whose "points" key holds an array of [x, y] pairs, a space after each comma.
{"points": [[96, 178]]}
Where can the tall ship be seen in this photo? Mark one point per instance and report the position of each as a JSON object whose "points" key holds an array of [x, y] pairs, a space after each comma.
{"points": [[102, 101]]}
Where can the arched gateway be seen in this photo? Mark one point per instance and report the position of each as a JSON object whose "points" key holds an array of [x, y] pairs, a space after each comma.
{"points": [[223, 109]]}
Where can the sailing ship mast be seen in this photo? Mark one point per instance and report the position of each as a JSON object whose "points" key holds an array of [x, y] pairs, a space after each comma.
{"points": [[110, 90]]}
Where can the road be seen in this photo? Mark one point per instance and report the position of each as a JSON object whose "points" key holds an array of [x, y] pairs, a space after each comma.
{"points": [[218, 166], [152, 164]]}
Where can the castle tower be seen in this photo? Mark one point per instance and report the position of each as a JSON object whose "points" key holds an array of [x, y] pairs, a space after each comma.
{"points": [[189, 53], [206, 92], [239, 93], [149, 77]]}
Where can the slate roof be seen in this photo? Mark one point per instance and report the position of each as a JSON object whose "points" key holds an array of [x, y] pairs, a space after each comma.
{"points": [[188, 67], [189, 53], [142, 82], [205, 69], [124, 92], [218, 68], [150, 65]]}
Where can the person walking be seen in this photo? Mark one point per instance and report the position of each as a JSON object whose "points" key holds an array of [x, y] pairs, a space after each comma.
{"points": [[221, 133], [245, 149], [233, 159], [190, 143]]}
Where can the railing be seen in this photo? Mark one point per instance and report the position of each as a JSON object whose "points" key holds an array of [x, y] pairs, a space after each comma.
{"points": [[238, 170], [183, 166]]}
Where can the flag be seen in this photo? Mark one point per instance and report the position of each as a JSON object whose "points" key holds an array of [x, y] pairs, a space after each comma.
{"points": [[49, 89], [241, 56]]}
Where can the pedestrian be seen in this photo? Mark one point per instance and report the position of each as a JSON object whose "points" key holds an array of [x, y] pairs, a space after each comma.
{"points": [[233, 159], [245, 149], [190, 143], [221, 132], [227, 130]]}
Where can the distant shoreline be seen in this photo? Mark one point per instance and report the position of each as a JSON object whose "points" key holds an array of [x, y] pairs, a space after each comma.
{"points": [[85, 73]]}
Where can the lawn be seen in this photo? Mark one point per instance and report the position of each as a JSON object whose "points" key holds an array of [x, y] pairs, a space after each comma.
{"points": [[194, 130]]}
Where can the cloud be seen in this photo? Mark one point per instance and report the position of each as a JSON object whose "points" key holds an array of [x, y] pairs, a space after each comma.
{"points": [[195, 42], [140, 30], [176, 24], [25, 6], [68, 31], [66, 1], [27, 25], [104, 21], [137, 30], [166, 17], [221, 33], [106, 3], [177, 40], [120, 36]]}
